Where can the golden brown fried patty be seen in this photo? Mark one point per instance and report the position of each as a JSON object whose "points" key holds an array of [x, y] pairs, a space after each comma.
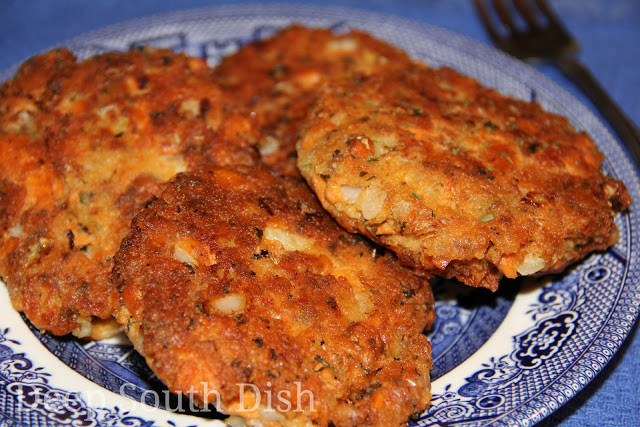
{"points": [[457, 179], [276, 80], [83, 146], [236, 276]]}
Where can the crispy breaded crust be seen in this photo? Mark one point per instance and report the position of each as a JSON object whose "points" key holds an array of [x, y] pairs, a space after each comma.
{"points": [[276, 80], [456, 178], [83, 146], [236, 276]]}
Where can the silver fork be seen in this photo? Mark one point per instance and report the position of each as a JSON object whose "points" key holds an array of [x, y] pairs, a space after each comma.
{"points": [[544, 37]]}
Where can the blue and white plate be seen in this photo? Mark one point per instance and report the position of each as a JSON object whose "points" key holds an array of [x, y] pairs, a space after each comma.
{"points": [[509, 358]]}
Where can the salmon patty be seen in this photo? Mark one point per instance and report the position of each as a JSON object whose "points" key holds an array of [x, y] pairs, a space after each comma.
{"points": [[83, 146], [457, 179], [276, 80], [237, 276]]}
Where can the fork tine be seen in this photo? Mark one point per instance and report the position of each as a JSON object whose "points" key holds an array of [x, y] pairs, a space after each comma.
{"points": [[486, 20], [551, 16], [527, 13], [505, 15]]}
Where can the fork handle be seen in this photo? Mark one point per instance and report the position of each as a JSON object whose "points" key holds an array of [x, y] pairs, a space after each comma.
{"points": [[624, 127]]}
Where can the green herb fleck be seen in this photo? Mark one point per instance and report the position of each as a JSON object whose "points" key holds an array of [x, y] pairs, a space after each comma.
{"points": [[372, 159], [416, 196], [85, 197], [363, 173], [199, 307], [325, 176], [321, 359], [487, 218], [277, 71], [490, 125], [368, 391]]}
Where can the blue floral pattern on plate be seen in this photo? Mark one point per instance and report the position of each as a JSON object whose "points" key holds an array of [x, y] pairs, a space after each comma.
{"points": [[27, 398], [509, 358]]}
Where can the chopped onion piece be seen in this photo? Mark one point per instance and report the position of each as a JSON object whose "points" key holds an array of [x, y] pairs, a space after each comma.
{"points": [[230, 304]]}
